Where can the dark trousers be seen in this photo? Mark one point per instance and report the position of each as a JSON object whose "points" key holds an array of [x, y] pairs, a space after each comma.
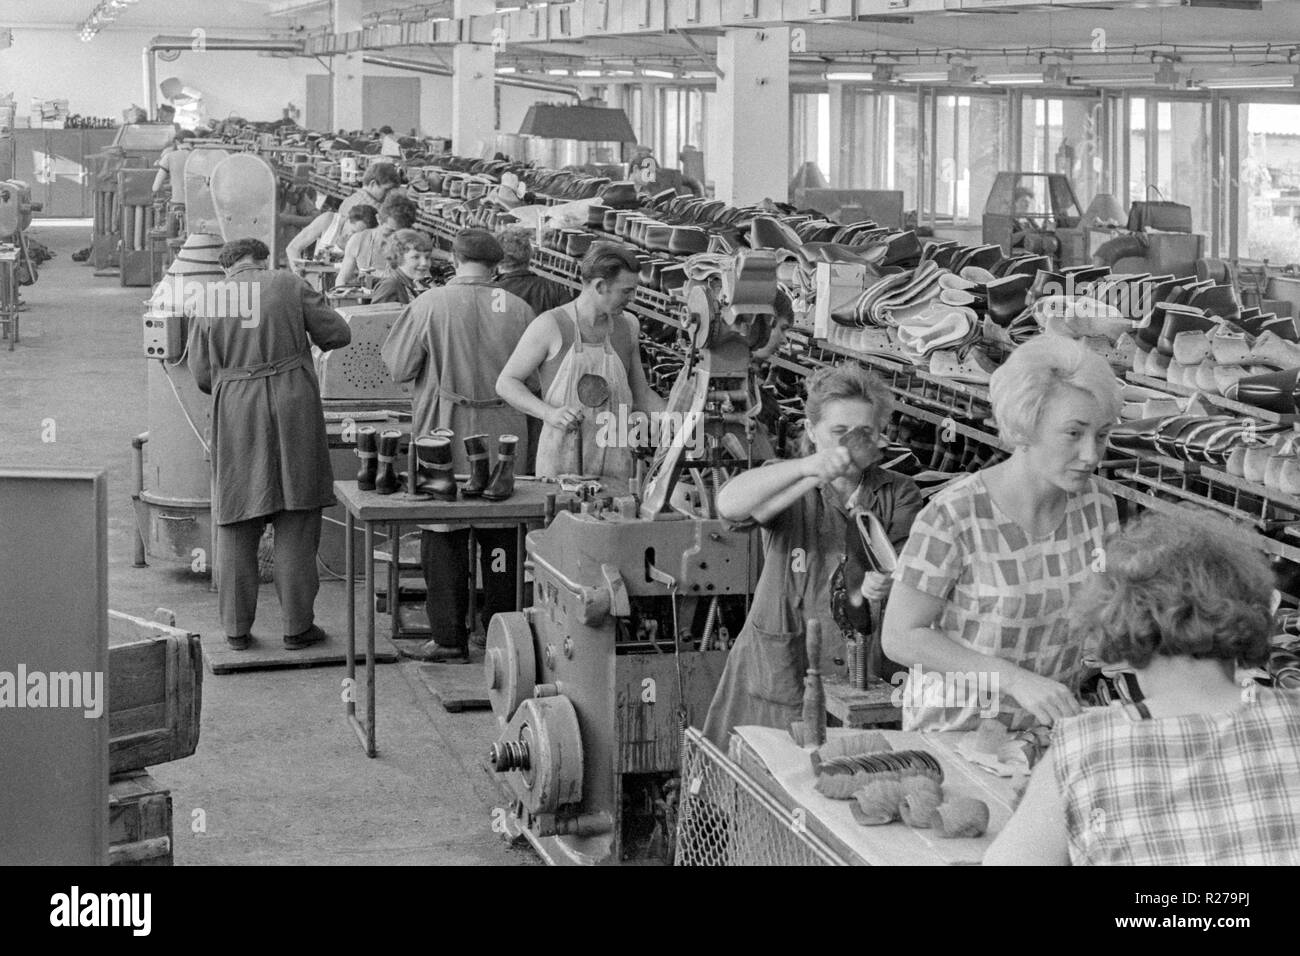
{"points": [[444, 556], [297, 539]]}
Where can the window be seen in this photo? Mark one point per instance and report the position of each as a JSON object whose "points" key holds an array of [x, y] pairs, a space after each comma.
{"points": [[810, 131], [969, 136], [1063, 135], [1268, 182]]}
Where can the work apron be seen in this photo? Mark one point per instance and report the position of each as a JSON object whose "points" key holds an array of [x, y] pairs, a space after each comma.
{"points": [[557, 448], [762, 683]]}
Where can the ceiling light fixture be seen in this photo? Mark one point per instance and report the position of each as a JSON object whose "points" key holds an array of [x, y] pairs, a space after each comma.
{"points": [[588, 73], [661, 74], [850, 77], [1014, 79]]}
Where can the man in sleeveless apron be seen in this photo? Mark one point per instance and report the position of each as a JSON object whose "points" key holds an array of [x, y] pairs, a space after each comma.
{"points": [[592, 335]]}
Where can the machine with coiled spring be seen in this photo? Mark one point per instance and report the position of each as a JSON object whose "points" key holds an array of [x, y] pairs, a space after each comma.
{"points": [[635, 601]]}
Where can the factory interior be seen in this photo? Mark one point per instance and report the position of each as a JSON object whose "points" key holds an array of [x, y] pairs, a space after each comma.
{"points": [[651, 432]]}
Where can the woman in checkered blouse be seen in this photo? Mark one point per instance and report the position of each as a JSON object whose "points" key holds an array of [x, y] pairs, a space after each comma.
{"points": [[982, 588], [1202, 769]]}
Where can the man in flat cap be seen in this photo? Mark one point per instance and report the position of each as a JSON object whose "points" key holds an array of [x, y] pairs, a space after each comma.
{"points": [[451, 344]]}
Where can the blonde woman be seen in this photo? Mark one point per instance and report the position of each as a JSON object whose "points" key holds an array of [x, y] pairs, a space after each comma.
{"points": [[982, 588], [803, 507]]}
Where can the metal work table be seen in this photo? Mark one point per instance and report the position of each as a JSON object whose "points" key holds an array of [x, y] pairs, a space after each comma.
{"points": [[526, 506]]}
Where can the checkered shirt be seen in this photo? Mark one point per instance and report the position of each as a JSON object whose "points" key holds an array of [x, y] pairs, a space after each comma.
{"points": [[1199, 789], [1004, 593]]}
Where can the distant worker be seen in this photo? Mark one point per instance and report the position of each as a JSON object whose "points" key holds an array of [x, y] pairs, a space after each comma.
{"points": [[270, 460]]}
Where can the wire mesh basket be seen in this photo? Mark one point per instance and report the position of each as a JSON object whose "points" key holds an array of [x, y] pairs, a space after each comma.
{"points": [[726, 820]]}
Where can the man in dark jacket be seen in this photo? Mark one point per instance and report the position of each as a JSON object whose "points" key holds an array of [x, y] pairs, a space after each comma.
{"points": [[250, 348], [515, 275]]}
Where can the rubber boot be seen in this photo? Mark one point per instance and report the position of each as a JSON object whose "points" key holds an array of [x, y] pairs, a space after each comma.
{"points": [[502, 484], [367, 451], [436, 476], [476, 451], [446, 433], [386, 481]]}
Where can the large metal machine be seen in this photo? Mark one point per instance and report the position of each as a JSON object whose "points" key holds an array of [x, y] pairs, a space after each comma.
{"points": [[1036, 213], [634, 604]]}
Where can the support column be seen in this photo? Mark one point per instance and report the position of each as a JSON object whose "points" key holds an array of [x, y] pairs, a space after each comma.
{"points": [[473, 88], [840, 174], [348, 99], [753, 119], [646, 133]]}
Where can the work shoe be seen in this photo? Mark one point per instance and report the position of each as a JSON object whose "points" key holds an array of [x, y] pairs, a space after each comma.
{"points": [[240, 642], [476, 452], [432, 652], [386, 482], [436, 476], [502, 484], [313, 635], [367, 451]]}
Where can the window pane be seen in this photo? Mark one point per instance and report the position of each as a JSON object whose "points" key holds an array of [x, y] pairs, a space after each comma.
{"points": [[1137, 148], [1270, 183], [903, 132], [1184, 159]]}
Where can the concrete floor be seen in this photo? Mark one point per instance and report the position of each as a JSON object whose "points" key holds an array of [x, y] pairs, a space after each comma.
{"points": [[278, 775]]}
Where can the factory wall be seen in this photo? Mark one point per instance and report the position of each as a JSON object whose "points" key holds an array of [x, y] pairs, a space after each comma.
{"points": [[104, 77]]}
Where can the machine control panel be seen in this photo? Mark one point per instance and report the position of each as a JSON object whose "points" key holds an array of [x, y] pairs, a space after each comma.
{"points": [[164, 335]]}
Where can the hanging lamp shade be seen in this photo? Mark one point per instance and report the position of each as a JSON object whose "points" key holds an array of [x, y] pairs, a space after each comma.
{"points": [[594, 124]]}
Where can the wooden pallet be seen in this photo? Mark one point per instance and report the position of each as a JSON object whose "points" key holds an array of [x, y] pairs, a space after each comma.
{"points": [[458, 687]]}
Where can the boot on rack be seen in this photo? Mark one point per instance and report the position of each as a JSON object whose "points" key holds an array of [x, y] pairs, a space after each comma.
{"points": [[476, 450], [435, 468], [386, 481], [368, 452], [502, 484]]}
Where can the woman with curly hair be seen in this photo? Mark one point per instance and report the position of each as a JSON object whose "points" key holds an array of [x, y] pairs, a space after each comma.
{"points": [[407, 252], [363, 255], [1196, 768]]}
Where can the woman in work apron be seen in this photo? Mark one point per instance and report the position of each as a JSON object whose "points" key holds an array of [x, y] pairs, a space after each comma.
{"points": [[557, 449]]}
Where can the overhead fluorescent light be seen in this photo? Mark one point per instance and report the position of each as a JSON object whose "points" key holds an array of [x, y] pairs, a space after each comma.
{"points": [[622, 72], [505, 69], [1250, 83], [850, 77], [1143, 79], [588, 73], [1014, 79], [557, 72], [934, 77], [508, 9], [661, 74]]}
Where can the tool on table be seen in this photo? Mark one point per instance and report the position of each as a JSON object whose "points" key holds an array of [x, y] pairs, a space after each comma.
{"points": [[811, 730], [593, 392]]}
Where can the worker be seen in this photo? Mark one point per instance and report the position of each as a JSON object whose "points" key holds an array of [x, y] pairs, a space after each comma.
{"points": [[270, 461], [377, 182], [515, 273], [450, 344], [297, 210], [363, 255], [592, 335], [407, 253], [388, 144], [328, 234], [171, 168], [805, 507]]}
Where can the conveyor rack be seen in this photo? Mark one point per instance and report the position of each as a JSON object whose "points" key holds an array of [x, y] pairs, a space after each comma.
{"points": [[1149, 482], [1210, 398], [1164, 484]]}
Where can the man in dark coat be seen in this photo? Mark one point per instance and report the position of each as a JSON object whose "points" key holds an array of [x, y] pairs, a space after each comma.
{"points": [[250, 348], [514, 274]]}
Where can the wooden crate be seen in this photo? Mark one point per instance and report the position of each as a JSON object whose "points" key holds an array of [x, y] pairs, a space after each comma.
{"points": [[139, 821], [155, 692]]}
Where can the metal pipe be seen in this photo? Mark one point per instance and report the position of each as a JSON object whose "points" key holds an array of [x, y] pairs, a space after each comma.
{"points": [[210, 44], [419, 66], [137, 446]]}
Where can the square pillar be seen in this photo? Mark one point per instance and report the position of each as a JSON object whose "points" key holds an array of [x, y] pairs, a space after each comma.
{"points": [[473, 88], [753, 121], [348, 73]]}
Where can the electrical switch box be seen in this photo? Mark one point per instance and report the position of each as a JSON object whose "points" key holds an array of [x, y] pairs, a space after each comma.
{"points": [[164, 335]]}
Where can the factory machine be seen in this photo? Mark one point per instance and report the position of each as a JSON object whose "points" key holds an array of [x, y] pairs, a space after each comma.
{"points": [[635, 602]]}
